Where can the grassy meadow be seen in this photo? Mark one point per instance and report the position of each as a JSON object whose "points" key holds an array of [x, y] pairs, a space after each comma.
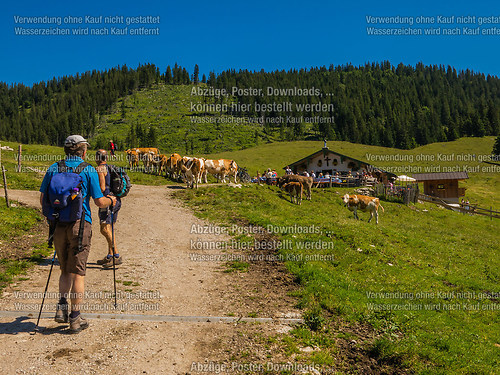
{"points": [[440, 271], [425, 279]]}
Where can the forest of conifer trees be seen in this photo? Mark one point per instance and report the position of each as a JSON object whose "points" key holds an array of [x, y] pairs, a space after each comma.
{"points": [[376, 104], [48, 111], [380, 104]]}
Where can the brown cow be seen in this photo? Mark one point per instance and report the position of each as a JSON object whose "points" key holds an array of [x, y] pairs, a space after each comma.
{"points": [[306, 182], [364, 203], [159, 163], [144, 150], [295, 190], [133, 158], [173, 166]]}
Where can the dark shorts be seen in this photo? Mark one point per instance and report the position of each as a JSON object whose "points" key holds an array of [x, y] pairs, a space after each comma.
{"points": [[105, 213], [66, 244]]}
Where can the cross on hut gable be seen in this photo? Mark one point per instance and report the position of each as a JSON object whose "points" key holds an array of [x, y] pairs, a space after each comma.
{"points": [[327, 159]]}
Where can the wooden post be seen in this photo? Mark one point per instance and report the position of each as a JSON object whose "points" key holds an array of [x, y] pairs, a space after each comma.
{"points": [[5, 187], [19, 153]]}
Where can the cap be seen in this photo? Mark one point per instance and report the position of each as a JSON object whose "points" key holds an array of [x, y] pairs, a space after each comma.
{"points": [[74, 140]]}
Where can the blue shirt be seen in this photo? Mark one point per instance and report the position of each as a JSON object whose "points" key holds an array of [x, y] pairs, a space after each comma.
{"points": [[90, 182]]}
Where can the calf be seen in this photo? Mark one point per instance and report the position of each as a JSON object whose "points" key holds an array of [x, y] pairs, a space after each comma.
{"points": [[306, 182], [295, 190], [364, 203]]}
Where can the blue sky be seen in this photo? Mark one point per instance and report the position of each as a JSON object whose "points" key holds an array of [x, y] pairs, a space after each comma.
{"points": [[241, 35]]}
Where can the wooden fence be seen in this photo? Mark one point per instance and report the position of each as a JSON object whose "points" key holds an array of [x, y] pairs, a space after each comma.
{"points": [[471, 209], [406, 194]]}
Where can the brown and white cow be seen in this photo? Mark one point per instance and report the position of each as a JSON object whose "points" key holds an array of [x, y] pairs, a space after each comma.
{"points": [[295, 190], [192, 168], [186, 160], [220, 169], [306, 182], [363, 203]]}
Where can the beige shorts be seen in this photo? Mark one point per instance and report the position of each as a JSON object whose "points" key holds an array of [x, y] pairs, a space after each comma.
{"points": [[66, 244]]}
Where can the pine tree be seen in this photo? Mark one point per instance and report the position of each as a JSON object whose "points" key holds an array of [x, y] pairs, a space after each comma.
{"points": [[196, 73], [151, 137], [123, 112], [496, 147], [168, 76]]}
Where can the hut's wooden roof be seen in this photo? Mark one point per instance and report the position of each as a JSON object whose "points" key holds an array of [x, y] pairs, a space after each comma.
{"points": [[440, 176]]}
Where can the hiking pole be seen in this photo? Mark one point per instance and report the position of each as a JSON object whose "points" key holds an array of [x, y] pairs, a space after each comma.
{"points": [[113, 247], [44, 293]]}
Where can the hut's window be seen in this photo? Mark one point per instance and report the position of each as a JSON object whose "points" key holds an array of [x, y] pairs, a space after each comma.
{"points": [[335, 162], [440, 186]]}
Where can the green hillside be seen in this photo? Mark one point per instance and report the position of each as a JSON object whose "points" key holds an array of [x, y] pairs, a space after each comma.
{"points": [[166, 111]]}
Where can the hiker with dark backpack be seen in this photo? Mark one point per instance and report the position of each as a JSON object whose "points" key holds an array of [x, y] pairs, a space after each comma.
{"points": [[108, 215], [65, 198]]}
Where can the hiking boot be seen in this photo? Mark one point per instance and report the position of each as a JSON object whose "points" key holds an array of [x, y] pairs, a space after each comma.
{"points": [[77, 324], [62, 315], [103, 260], [109, 262]]}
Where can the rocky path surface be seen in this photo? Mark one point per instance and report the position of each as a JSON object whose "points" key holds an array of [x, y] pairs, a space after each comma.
{"points": [[158, 277]]}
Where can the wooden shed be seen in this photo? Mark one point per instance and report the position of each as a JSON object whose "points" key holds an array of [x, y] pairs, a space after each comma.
{"points": [[443, 185]]}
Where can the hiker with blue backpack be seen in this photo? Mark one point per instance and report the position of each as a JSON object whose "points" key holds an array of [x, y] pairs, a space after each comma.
{"points": [[107, 215], [65, 198]]}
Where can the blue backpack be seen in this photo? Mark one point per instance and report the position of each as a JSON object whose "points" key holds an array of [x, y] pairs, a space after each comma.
{"points": [[63, 199]]}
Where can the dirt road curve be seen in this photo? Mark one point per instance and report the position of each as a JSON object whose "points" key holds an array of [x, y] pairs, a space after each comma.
{"points": [[154, 236]]}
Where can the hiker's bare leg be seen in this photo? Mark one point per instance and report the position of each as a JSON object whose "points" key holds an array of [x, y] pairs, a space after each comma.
{"points": [[106, 232], [77, 291], [65, 282]]}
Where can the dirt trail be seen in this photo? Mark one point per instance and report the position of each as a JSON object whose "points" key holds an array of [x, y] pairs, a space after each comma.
{"points": [[154, 234]]}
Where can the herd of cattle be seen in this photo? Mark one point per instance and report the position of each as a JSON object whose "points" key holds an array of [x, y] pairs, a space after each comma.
{"points": [[195, 170]]}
